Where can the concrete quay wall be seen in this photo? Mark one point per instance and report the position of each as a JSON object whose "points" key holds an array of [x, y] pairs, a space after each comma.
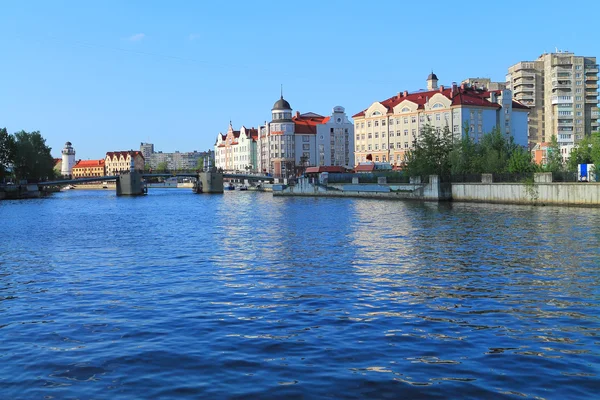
{"points": [[570, 194]]}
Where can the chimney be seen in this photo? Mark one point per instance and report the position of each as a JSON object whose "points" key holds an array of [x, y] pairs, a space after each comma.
{"points": [[405, 93], [297, 114], [463, 86], [441, 88], [399, 94], [454, 88], [493, 97]]}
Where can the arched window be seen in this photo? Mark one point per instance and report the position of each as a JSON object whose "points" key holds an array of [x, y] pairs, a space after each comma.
{"points": [[405, 109], [376, 113], [438, 105]]}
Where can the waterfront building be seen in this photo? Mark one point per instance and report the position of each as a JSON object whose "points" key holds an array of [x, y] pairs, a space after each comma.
{"points": [[68, 159], [288, 142], [89, 168], [561, 90], [174, 161], [237, 150], [386, 130], [120, 161]]}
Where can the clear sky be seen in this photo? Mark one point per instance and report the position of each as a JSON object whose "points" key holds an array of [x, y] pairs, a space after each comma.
{"points": [[107, 75]]}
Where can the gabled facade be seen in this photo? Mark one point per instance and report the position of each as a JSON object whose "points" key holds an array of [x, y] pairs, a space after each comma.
{"points": [[388, 129], [120, 161], [237, 150]]}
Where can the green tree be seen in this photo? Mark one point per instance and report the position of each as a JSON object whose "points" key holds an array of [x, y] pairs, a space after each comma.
{"points": [[520, 161], [431, 152], [7, 150], [581, 154], [32, 158], [554, 162], [464, 154], [200, 163], [162, 166], [494, 153]]}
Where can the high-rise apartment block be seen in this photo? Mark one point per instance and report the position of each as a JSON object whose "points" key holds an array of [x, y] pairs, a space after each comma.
{"points": [[562, 91]]}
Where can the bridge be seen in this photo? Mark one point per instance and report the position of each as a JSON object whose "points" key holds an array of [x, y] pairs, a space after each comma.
{"points": [[132, 182]]}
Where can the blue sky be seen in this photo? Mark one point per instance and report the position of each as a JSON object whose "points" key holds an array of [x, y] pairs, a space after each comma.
{"points": [[107, 75]]}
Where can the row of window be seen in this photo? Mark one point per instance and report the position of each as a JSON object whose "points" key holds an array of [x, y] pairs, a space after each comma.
{"points": [[413, 119], [369, 147]]}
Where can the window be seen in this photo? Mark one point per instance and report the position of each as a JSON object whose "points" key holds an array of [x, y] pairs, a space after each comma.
{"points": [[406, 120], [579, 83], [306, 147], [369, 147], [391, 133], [578, 98], [362, 124], [376, 158], [383, 158], [391, 121], [376, 123], [370, 135], [357, 136], [438, 105], [382, 134], [306, 138], [391, 146], [383, 122], [376, 135], [368, 124], [438, 117], [578, 113], [376, 146], [455, 128], [406, 132], [383, 146], [579, 91], [362, 137], [405, 109], [362, 147], [413, 119], [578, 67], [414, 132], [406, 145], [578, 106], [398, 133]]}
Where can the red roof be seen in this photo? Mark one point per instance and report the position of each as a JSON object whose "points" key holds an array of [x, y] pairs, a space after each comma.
{"points": [[328, 168], [133, 153], [462, 96], [89, 164], [307, 123], [365, 167]]}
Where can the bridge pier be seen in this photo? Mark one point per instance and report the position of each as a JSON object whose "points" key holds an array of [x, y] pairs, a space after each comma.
{"points": [[210, 181], [131, 184]]}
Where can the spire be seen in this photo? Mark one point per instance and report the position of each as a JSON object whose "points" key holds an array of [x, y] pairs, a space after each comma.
{"points": [[282, 90]]}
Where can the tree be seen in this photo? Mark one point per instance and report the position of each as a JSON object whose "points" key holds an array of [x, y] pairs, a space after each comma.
{"points": [[581, 154], [32, 158], [554, 162], [463, 155], [162, 166], [200, 163], [520, 161], [7, 150], [431, 152]]}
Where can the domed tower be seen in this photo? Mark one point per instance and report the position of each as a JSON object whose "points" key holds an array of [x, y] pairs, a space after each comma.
{"points": [[432, 81], [68, 159], [281, 111]]}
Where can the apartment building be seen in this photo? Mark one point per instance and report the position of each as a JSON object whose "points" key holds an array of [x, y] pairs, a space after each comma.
{"points": [[174, 161], [561, 90], [386, 130], [236, 150], [120, 161], [309, 139]]}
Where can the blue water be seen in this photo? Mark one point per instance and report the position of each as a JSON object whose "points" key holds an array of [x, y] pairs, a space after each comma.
{"points": [[177, 295]]}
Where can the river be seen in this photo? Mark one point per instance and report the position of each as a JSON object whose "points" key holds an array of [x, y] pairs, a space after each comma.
{"points": [[243, 295]]}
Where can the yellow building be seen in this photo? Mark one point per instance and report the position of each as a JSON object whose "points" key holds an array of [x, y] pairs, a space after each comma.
{"points": [[388, 129], [120, 161], [88, 168]]}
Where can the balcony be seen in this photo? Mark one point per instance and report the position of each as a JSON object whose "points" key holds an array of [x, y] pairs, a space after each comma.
{"points": [[591, 85], [593, 68], [566, 124], [565, 138], [562, 99], [591, 78]]}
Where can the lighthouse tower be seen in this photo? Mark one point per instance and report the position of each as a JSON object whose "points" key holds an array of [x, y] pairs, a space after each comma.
{"points": [[68, 159]]}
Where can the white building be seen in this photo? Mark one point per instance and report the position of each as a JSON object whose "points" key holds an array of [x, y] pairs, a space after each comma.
{"points": [[303, 140], [237, 150], [68, 160]]}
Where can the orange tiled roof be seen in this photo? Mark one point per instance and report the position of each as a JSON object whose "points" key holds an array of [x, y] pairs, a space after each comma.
{"points": [[89, 164]]}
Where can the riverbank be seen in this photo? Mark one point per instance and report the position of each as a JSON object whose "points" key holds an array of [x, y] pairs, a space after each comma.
{"points": [[542, 191]]}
